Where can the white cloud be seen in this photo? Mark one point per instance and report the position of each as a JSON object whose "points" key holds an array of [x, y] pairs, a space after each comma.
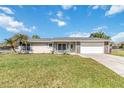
{"points": [[6, 10], [59, 22], [33, 28], [79, 34], [67, 7], [95, 7], [75, 8], [59, 19], [103, 7], [59, 14], [114, 10], [118, 37], [12, 25], [100, 28]]}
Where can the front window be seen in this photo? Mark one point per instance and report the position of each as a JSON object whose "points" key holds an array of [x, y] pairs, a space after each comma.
{"points": [[50, 45], [61, 46]]}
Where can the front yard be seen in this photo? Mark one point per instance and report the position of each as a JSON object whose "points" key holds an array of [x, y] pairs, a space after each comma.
{"points": [[47, 70], [118, 52]]}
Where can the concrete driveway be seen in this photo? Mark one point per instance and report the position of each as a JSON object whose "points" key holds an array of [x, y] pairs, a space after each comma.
{"points": [[115, 63]]}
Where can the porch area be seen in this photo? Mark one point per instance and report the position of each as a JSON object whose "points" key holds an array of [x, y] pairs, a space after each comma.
{"points": [[66, 47]]}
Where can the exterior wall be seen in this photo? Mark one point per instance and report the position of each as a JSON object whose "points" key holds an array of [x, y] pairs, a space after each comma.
{"points": [[107, 48], [44, 47], [92, 44], [40, 48], [78, 47]]}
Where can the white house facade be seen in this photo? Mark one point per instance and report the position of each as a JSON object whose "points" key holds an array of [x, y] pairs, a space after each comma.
{"points": [[70, 45]]}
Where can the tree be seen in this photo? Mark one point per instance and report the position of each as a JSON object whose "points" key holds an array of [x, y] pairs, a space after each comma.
{"points": [[17, 40], [121, 46], [11, 43], [99, 34], [35, 37], [21, 40]]}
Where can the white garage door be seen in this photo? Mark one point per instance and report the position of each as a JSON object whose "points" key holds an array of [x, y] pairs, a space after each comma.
{"points": [[92, 48]]}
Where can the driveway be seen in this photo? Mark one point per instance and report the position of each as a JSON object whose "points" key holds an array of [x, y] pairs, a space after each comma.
{"points": [[115, 63]]}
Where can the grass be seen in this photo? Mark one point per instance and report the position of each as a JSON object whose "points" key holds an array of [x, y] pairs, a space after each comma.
{"points": [[47, 70], [118, 52]]}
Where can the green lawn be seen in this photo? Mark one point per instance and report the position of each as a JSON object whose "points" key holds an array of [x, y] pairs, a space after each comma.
{"points": [[118, 52], [47, 70]]}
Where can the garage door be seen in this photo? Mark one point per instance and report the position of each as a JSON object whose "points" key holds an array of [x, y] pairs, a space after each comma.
{"points": [[92, 48]]}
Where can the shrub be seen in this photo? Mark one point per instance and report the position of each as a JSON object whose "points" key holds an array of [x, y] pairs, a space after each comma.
{"points": [[121, 46]]}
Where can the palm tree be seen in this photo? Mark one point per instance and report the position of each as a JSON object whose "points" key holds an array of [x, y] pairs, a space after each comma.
{"points": [[21, 40], [11, 43], [35, 37], [99, 34]]}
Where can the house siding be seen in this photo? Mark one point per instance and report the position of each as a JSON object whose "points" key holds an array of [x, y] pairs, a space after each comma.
{"points": [[92, 44], [40, 48], [42, 45]]}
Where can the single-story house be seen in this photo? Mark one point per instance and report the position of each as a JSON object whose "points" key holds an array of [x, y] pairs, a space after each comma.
{"points": [[78, 45], [118, 45], [121, 44], [4, 46]]}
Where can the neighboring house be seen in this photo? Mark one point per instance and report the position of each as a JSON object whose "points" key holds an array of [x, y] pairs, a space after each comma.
{"points": [[68, 44], [4, 48], [114, 45], [118, 45], [121, 45]]}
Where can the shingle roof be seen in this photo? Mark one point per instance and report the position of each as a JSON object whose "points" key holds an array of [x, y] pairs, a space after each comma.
{"points": [[40, 40], [67, 39]]}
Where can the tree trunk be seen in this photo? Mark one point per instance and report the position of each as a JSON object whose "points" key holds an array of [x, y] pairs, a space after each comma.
{"points": [[20, 46], [13, 48]]}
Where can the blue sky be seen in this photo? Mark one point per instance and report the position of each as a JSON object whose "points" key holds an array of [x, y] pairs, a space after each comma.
{"points": [[62, 21]]}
